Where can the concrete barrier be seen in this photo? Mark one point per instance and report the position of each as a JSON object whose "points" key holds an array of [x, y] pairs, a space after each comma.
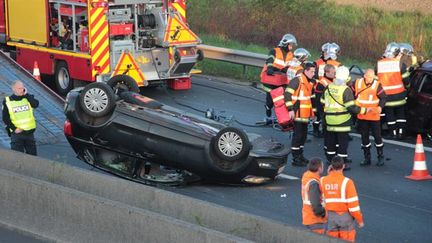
{"points": [[63, 214], [173, 205]]}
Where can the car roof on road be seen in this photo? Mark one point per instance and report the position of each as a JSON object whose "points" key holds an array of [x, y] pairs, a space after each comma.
{"points": [[427, 65]]}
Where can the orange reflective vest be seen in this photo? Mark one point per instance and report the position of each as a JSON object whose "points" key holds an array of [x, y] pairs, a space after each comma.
{"points": [[307, 212], [367, 97], [294, 71], [321, 64], [340, 195], [279, 61], [302, 94], [389, 75]]}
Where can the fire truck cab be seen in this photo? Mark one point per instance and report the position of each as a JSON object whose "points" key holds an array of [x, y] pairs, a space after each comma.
{"points": [[93, 40]]}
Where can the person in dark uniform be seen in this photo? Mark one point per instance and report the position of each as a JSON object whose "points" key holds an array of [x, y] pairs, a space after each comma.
{"points": [[19, 118]]}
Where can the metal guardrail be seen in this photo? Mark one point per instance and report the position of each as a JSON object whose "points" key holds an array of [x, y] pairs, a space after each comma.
{"points": [[243, 58], [246, 58]]}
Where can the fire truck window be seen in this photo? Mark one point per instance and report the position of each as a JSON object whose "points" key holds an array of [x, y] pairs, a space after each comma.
{"points": [[426, 86]]}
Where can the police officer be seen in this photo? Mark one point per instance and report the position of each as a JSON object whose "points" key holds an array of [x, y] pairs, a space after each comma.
{"points": [[298, 99], [338, 100], [370, 94], [273, 74], [19, 119], [390, 76]]}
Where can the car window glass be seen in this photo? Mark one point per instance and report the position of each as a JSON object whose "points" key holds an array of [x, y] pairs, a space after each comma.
{"points": [[426, 84]]}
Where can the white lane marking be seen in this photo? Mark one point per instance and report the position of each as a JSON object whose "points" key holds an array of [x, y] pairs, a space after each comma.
{"points": [[285, 176], [408, 145]]}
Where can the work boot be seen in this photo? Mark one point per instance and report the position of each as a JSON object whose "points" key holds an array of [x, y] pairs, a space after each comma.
{"points": [[303, 159], [393, 134], [346, 162], [367, 157], [329, 158], [316, 132], [401, 134], [380, 155], [268, 111], [297, 160]]}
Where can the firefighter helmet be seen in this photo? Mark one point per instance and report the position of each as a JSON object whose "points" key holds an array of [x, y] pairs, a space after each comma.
{"points": [[332, 52], [288, 39], [324, 48], [392, 50], [301, 54], [406, 49]]}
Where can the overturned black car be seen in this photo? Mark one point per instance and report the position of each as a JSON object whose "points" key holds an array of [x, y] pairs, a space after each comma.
{"points": [[122, 132]]}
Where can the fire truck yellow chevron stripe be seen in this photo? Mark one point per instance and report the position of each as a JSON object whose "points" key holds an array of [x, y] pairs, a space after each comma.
{"points": [[181, 8], [99, 40]]}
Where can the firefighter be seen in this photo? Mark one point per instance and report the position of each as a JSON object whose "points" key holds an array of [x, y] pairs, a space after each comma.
{"points": [[341, 202], [273, 74], [313, 212], [298, 99], [338, 100], [390, 77], [295, 66], [329, 75], [329, 55], [370, 94], [409, 61], [19, 119]]}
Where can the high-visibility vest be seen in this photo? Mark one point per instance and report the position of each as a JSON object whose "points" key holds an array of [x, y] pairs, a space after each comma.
{"points": [[321, 64], [307, 211], [336, 112], [303, 94], [279, 61], [340, 195], [389, 75], [21, 113], [367, 97], [294, 71]]}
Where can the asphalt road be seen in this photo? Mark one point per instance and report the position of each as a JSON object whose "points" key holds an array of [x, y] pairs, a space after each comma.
{"points": [[395, 209]]}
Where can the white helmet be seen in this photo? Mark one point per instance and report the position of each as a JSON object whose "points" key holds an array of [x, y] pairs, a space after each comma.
{"points": [[392, 50], [332, 52], [301, 54], [406, 49], [342, 74], [288, 39], [324, 47]]}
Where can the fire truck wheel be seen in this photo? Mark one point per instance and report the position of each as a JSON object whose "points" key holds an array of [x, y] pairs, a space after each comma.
{"points": [[231, 144], [63, 81], [120, 83], [97, 99]]}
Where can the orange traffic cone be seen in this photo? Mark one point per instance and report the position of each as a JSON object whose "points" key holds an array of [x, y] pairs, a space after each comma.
{"points": [[36, 72], [420, 171]]}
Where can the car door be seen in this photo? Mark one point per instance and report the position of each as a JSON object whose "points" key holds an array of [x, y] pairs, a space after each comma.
{"points": [[420, 102]]}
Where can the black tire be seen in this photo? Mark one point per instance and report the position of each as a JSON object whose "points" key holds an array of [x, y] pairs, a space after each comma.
{"points": [[97, 99], [62, 78], [121, 83], [231, 144]]}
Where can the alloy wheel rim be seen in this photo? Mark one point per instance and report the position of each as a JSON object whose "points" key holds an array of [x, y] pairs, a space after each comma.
{"points": [[96, 100], [230, 144]]}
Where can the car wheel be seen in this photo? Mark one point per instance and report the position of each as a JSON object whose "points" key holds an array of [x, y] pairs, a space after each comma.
{"points": [[231, 144], [120, 83], [63, 81], [97, 99]]}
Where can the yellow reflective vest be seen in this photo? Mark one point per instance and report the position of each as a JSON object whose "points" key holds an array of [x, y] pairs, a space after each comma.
{"points": [[21, 113]]}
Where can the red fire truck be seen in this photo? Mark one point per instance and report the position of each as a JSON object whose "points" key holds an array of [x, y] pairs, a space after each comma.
{"points": [[93, 40]]}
